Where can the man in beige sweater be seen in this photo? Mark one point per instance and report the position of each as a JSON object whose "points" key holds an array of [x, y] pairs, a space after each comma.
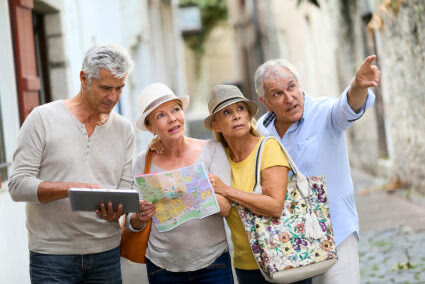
{"points": [[78, 142]]}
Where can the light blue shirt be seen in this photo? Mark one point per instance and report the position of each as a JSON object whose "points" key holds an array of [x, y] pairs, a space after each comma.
{"points": [[317, 144]]}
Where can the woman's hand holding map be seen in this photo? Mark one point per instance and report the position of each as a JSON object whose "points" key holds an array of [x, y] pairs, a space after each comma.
{"points": [[147, 210]]}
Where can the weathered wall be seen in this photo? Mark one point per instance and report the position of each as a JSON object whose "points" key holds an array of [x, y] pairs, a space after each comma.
{"points": [[328, 44], [350, 53], [403, 52]]}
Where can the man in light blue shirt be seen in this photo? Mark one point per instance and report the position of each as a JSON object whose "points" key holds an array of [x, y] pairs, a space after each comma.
{"points": [[313, 132]]}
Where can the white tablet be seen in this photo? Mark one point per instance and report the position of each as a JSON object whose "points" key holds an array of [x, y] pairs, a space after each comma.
{"points": [[89, 199]]}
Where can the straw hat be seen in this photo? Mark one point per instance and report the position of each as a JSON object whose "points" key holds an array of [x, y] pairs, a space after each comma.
{"points": [[223, 96], [152, 97]]}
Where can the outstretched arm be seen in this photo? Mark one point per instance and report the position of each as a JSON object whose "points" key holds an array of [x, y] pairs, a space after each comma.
{"points": [[367, 75]]}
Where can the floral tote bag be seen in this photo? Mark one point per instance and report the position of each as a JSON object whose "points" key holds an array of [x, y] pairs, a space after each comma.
{"points": [[300, 243]]}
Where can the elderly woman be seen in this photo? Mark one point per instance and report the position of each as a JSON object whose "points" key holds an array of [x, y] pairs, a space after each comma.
{"points": [[231, 119], [197, 250]]}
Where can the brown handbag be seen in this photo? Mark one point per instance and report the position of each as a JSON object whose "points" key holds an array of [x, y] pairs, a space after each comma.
{"points": [[133, 245]]}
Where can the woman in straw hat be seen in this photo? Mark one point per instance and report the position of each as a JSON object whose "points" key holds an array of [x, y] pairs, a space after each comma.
{"points": [[232, 121], [197, 250]]}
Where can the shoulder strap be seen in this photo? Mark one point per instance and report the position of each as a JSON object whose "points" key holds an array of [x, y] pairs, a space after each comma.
{"points": [[148, 161], [302, 182], [257, 189]]}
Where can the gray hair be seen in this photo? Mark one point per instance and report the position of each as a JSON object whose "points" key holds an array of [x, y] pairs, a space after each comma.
{"points": [[269, 69], [111, 57]]}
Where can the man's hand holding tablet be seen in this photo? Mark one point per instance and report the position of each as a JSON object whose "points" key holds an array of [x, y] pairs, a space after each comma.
{"points": [[109, 204]]}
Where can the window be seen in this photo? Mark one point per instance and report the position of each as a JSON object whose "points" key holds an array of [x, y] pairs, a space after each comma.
{"points": [[40, 45]]}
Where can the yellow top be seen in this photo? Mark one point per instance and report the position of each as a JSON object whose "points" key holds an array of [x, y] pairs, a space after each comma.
{"points": [[243, 178]]}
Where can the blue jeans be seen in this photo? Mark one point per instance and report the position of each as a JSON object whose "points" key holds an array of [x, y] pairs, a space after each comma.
{"points": [[255, 277], [103, 267], [219, 272]]}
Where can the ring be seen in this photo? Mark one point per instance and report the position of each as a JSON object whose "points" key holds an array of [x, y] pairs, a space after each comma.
{"points": [[143, 213]]}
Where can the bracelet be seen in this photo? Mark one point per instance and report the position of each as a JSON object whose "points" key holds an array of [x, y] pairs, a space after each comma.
{"points": [[128, 224]]}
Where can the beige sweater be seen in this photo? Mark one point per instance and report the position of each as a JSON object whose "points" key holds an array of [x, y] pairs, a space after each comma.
{"points": [[53, 146]]}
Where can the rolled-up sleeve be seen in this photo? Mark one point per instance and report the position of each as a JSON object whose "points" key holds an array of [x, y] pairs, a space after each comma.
{"points": [[24, 181], [342, 115]]}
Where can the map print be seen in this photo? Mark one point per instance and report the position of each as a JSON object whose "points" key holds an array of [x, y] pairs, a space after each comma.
{"points": [[179, 195]]}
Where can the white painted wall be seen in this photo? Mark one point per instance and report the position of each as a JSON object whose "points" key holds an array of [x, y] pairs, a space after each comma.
{"points": [[8, 92], [13, 233], [305, 37], [147, 29]]}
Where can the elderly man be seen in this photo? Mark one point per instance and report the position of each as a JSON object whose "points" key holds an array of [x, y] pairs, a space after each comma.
{"points": [[313, 132], [78, 142]]}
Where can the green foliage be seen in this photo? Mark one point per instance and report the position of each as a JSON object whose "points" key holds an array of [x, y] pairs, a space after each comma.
{"points": [[419, 14], [212, 12], [403, 266]]}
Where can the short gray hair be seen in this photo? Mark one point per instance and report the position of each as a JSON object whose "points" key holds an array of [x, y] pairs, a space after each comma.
{"points": [[269, 68], [111, 57]]}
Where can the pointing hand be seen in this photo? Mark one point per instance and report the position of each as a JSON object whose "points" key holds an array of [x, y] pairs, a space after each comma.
{"points": [[367, 75]]}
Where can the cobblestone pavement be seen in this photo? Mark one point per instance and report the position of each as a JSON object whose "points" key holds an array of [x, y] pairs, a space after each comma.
{"points": [[395, 255], [392, 234]]}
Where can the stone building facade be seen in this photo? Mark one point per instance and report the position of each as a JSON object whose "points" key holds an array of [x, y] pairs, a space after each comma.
{"points": [[327, 44], [403, 53], [396, 33]]}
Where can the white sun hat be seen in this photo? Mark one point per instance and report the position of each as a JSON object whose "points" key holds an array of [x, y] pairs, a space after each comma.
{"points": [[152, 97]]}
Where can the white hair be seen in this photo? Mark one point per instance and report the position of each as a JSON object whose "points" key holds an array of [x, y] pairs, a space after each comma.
{"points": [[272, 68], [111, 57]]}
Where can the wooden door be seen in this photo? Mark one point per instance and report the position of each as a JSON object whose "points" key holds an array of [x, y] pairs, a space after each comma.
{"points": [[25, 60]]}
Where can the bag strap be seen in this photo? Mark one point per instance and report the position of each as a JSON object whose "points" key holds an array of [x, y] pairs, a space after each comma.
{"points": [[148, 161], [258, 189], [302, 182], [258, 157], [312, 226]]}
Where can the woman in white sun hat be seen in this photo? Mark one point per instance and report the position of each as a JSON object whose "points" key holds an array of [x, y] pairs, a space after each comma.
{"points": [[197, 250]]}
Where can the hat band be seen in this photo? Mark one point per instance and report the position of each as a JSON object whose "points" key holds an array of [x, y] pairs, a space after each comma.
{"points": [[225, 101], [158, 101]]}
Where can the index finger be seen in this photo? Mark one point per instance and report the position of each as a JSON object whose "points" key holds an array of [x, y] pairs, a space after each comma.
{"points": [[120, 210], [369, 60]]}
